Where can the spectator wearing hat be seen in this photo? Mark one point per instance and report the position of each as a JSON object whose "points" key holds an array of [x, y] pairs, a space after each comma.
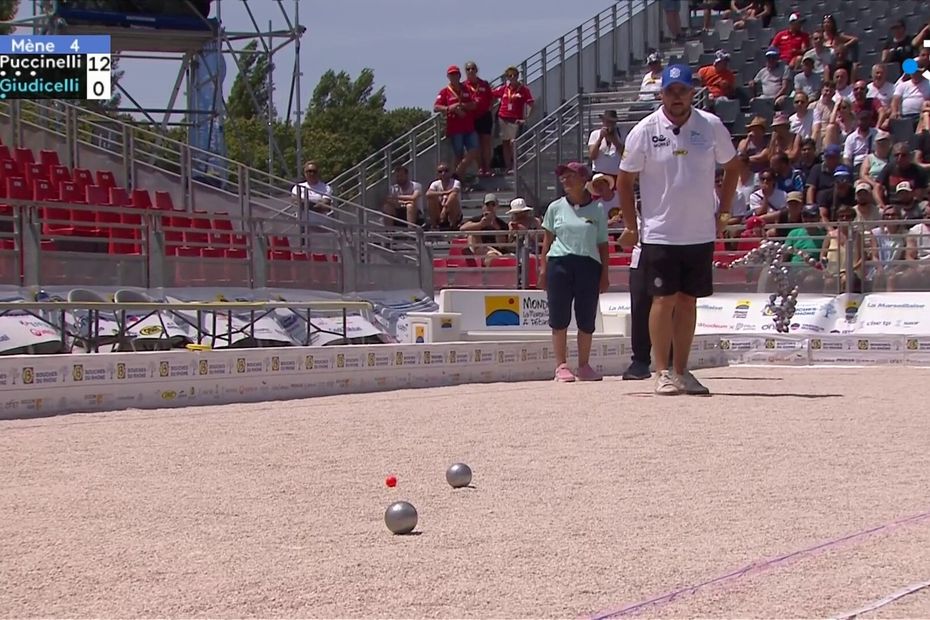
{"points": [[456, 102], [522, 223], [601, 186], [788, 218], [866, 210], [873, 163], [752, 235], [901, 168], [719, 79], [808, 237], [756, 144], [487, 245], [574, 268], [841, 194], [605, 145], [652, 81], [791, 43], [910, 95], [768, 200], [481, 94], [801, 122], [773, 81], [806, 80], [782, 140], [922, 151], [900, 45], [905, 200], [821, 55], [861, 142], [820, 177], [516, 105]]}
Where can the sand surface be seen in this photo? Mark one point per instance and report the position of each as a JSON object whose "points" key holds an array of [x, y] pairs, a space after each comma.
{"points": [[587, 498]]}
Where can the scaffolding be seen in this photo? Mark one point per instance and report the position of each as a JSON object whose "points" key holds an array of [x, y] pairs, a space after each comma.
{"points": [[200, 50]]}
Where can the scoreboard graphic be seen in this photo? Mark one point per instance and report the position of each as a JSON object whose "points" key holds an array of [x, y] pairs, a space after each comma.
{"points": [[55, 67]]}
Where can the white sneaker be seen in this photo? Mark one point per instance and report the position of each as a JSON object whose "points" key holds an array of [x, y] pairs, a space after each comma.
{"points": [[667, 384], [692, 386]]}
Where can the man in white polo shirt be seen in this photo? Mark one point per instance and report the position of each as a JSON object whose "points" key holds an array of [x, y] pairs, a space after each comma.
{"points": [[675, 151]]}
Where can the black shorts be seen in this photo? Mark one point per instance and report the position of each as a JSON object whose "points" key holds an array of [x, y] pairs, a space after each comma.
{"points": [[672, 269], [484, 124], [573, 280]]}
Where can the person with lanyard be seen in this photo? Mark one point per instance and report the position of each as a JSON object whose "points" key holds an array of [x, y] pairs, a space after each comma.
{"points": [[574, 268], [674, 153]]}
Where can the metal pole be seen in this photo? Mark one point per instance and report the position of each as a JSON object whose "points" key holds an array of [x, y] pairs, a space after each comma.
{"points": [[269, 105], [299, 120]]}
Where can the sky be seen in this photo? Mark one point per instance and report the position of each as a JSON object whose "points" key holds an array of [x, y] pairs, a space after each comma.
{"points": [[408, 43]]}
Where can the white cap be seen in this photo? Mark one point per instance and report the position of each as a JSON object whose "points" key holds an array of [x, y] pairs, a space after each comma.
{"points": [[518, 205], [794, 17]]}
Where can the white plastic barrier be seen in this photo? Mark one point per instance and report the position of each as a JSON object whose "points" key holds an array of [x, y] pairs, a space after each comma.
{"points": [[827, 350], [39, 385]]}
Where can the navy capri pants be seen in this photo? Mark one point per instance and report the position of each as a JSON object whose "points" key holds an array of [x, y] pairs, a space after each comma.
{"points": [[572, 280]]}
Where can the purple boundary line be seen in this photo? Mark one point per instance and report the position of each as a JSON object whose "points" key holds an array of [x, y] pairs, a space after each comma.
{"points": [[757, 566]]}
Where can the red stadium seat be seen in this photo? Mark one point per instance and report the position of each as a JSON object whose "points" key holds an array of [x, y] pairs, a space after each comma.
{"points": [[23, 156], [141, 199], [57, 174], [49, 159], [199, 231], [96, 195], [163, 202], [17, 189], [119, 197], [105, 178], [56, 220], [43, 190], [34, 172], [8, 169], [69, 191], [83, 177], [5, 154]]}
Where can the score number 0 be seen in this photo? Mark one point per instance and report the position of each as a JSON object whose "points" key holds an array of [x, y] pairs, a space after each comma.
{"points": [[98, 77]]}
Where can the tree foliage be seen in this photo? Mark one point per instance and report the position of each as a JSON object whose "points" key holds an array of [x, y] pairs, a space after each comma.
{"points": [[8, 11], [250, 92]]}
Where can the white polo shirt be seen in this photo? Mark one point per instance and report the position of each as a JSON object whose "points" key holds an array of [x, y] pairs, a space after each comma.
{"points": [[676, 175]]}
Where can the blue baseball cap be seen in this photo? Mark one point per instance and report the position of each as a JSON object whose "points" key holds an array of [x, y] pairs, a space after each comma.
{"points": [[842, 171], [832, 149], [676, 74]]}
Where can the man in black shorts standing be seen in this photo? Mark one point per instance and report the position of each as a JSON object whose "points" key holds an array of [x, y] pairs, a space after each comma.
{"points": [[675, 151]]}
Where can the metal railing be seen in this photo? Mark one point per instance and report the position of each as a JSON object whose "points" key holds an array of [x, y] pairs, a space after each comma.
{"points": [[585, 59]]}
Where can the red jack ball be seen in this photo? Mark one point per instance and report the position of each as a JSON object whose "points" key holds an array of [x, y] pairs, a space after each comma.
{"points": [[391, 481]]}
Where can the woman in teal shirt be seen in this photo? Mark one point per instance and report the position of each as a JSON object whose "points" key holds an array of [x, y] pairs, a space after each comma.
{"points": [[574, 268]]}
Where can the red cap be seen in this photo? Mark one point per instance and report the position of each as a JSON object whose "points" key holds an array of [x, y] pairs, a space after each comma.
{"points": [[453, 69], [754, 222], [576, 167]]}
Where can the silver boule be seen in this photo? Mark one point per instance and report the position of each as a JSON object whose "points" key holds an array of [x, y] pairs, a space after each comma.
{"points": [[458, 475], [401, 518]]}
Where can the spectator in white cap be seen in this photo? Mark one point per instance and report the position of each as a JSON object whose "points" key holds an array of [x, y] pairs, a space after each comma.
{"points": [[652, 81], [791, 43], [873, 163], [807, 81], [720, 80], [911, 209], [900, 168], [601, 187], [866, 209], [522, 222], [860, 142]]}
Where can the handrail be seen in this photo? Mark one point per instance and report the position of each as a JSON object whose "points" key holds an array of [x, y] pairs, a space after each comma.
{"points": [[426, 138]]}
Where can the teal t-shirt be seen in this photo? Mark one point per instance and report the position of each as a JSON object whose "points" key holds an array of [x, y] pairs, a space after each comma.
{"points": [[577, 231], [801, 239]]}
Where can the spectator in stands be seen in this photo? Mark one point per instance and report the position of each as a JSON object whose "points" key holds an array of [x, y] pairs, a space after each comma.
{"points": [[842, 123], [480, 91], [873, 163], [773, 80], [886, 245], [834, 253], [672, 10], [821, 176], [807, 159], [801, 122], [832, 35], [789, 218], [791, 43], [651, 86], [602, 187], [768, 200], [821, 55], [313, 191], [744, 189], [866, 211], [751, 237], [900, 46], [721, 7], [808, 237], [522, 224], [574, 268], [880, 89], [922, 152], [782, 140], [605, 145], [862, 103], [756, 144], [860, 142], [761, 10], [807, 81], [486, 246], [841, 194], [720, 79], [900, 169], [787, 178], [843, 87], [918, 246], [444, 201], [516, 105], [904, 199], [910, 95], [455, 101], [841, 60], [404, 200], [923, 64], [823, 111]]}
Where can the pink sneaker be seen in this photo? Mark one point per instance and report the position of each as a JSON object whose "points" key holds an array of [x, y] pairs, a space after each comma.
{"points": [[564, 374], [586, 373]]}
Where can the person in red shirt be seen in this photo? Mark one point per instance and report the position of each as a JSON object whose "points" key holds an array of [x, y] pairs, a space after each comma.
{"points": [[516, 105], [484, 121], [792, 42], [456, 102]]}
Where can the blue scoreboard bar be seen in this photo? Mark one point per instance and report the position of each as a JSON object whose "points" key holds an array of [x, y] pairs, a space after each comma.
{"points": [[55, 44]]}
